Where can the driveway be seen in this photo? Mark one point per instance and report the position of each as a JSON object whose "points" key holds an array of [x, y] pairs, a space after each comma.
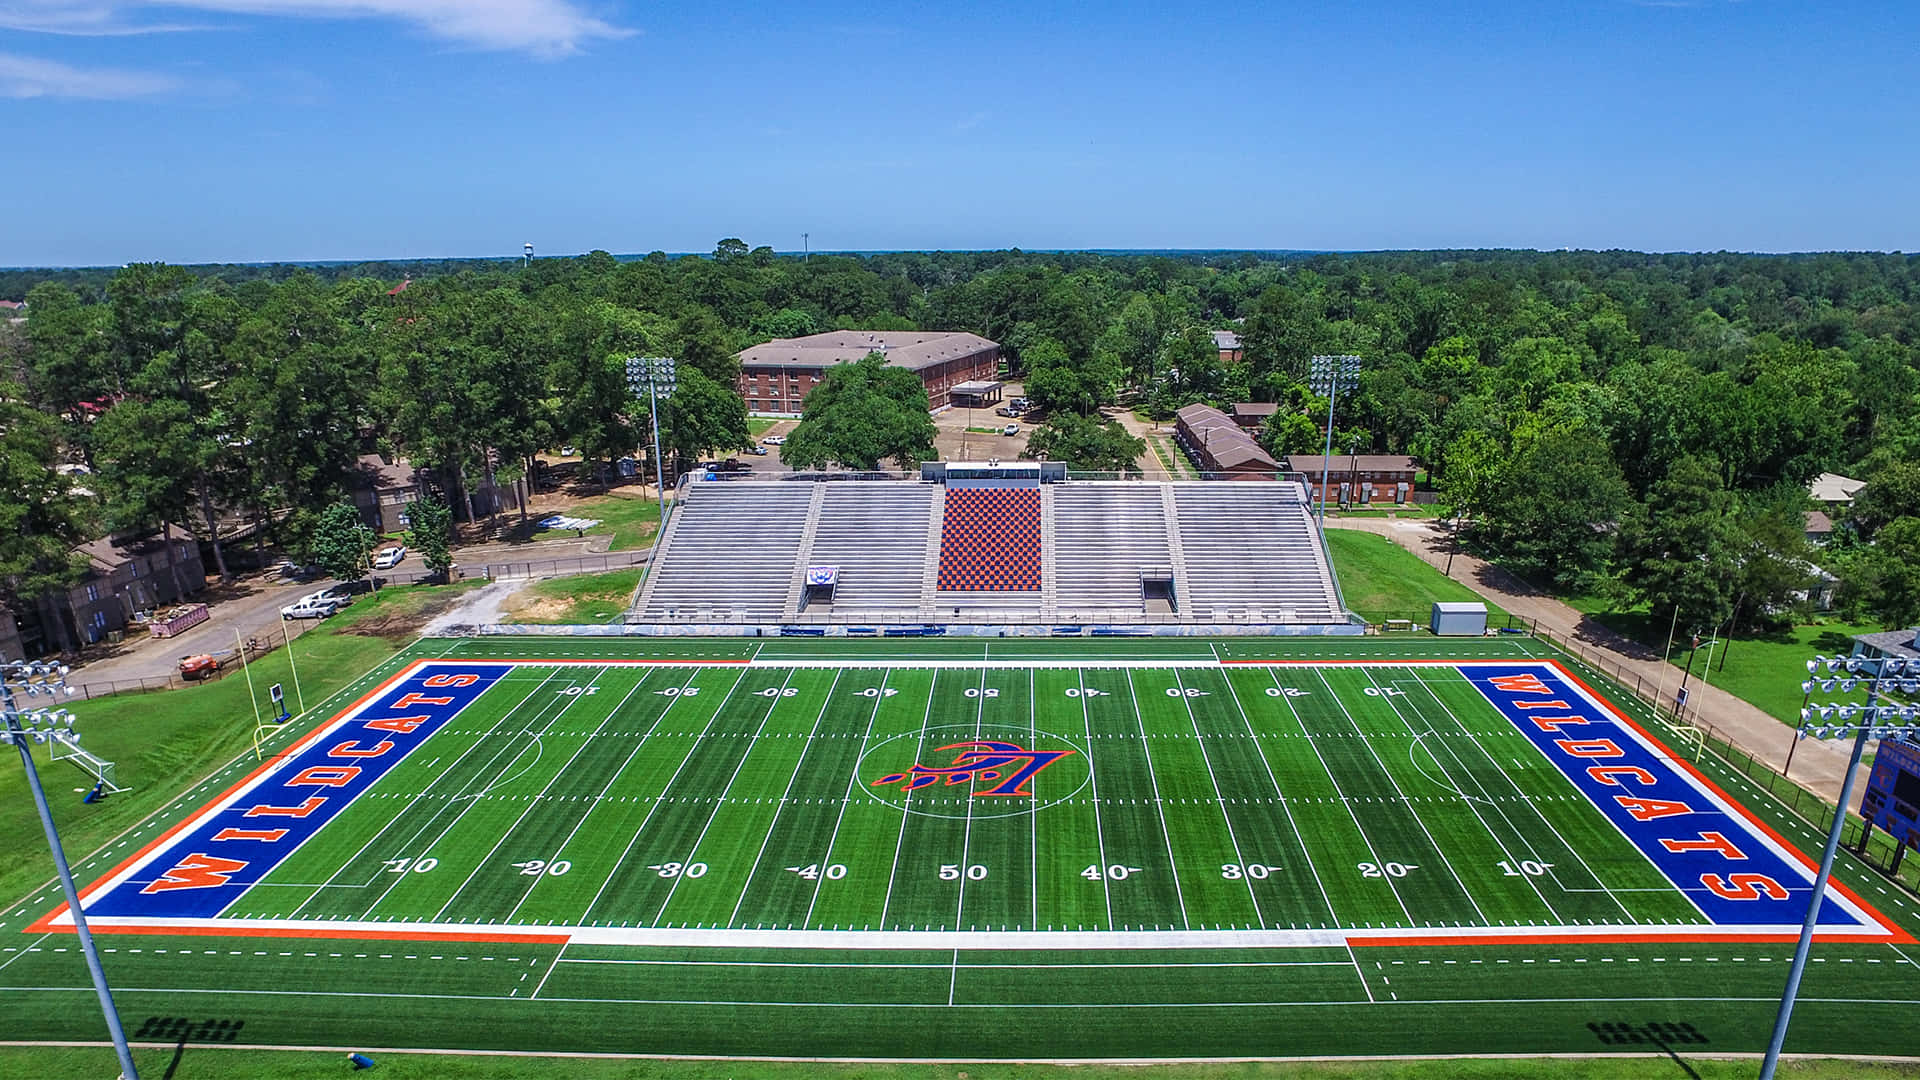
{"points": [[1817, 766]]}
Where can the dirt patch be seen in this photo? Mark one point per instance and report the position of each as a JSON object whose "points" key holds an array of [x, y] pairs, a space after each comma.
{"points": [[527, 607], [399, 627]]}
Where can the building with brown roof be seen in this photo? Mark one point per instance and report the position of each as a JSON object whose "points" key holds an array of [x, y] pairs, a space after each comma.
{"points": [[1384, 471], [776, 376], [125, 575], [1221, 448]]}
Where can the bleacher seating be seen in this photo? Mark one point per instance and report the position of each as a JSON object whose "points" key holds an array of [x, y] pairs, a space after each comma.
{"points": [[876, 533], [1251, 552], [990, 540], [1104, 535], [731, 554]]}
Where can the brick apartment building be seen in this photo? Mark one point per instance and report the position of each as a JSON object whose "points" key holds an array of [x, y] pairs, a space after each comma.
{"points": [[776, 376], [124, 575]]}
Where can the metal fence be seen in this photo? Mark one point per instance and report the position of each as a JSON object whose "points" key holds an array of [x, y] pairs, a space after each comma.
{"points": [[613, 560], [227, 663]]}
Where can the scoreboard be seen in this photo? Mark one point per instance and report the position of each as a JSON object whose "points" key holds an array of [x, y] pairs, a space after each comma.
{"points": [[1892, 801]]}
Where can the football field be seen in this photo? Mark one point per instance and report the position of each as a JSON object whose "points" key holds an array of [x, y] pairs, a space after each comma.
{"points": [[932, 825]]}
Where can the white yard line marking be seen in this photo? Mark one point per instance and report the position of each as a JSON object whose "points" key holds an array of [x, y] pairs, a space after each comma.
{"points": [[906, 802], [1280, 797], [333, 879], [1355, 961], [1159, 807], [798, 763], [1313, 744], [542, 985], [1219, 799], [1033, 817], [1382, 766], [853, 777], [25, 949], [966, 834], [1093, 781], [627, 852], [726, 791], [559, 852], [507, 833]]}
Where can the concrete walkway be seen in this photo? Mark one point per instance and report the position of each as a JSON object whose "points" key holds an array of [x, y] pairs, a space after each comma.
{"points": [[1817, 766]]}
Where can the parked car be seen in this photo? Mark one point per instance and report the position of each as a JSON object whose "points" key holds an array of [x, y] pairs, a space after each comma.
{"points": [[775, 440], [757, 451], [567, 450], [314, 605], [1010, 429], [389, 557], [198, 666], [1006, 410]]}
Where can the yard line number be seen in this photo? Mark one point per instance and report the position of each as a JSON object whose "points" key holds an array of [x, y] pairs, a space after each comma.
{"points": [[577, 691], [1391, 869], [537, 867], [674, 869], [814, 871], [1116, 872], [952, 871], [1526, 867], [1256, 871], [418, 866]]}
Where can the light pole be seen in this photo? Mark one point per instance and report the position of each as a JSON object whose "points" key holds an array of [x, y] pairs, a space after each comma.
{"points": [[652, 377], [42, 725], [288, 636], [1825, 721], [1323, 376]]}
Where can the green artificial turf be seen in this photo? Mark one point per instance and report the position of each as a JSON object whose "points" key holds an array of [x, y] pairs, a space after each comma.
{"points": [[1381, 580]]}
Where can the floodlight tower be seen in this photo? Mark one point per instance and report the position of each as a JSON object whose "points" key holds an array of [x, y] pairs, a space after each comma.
{"points": [[1879, 674], [1323, 377], [652, 377], [22, 728]]}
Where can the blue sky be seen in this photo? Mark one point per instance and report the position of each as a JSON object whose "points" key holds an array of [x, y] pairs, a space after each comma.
{"points": [[214, 130]]}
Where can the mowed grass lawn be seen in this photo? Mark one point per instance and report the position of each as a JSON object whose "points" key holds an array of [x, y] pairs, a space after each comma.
{"points": [[631, 519], [214, 1063], [158, 741], [584, 598], [1382, 580]]}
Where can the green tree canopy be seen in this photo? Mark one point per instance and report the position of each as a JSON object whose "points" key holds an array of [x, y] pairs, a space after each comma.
{"points": [[1087, 443], [340, 542], [430, 532], [860, 415]]}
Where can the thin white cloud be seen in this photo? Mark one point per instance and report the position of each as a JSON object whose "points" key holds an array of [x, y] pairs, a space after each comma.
{"points": [[31, 77], [542, 27]]}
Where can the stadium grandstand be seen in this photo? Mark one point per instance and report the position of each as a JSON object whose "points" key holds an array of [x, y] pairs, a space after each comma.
{"points": [[990, 548]]}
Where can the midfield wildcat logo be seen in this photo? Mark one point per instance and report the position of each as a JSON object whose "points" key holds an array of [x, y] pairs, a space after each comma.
{"points": [[1005, 765]]}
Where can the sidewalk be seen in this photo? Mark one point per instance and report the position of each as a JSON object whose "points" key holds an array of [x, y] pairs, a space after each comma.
{"points": [[1817, 766]]}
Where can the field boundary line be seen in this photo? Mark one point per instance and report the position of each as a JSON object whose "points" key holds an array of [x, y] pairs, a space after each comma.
{"points": [[773, 823]]}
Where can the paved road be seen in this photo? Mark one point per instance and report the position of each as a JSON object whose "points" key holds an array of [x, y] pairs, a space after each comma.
{"points": [[1817, 766]]}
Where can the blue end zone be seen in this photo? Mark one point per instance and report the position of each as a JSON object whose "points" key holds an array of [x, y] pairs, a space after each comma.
{"points": [[1719, 859], [207, 867]]}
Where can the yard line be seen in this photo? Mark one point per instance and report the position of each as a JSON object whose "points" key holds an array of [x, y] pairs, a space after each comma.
{"points": [[1281, 798], [1033, 815], [572, 700], [1093, 782], [641, 831], [720, 803], [542, 985], [1217, 796], [906, 803], [1173, 865], [853, 778], [1575, 851], [608, 786], [1464, 891], [1357, 827], [535, 801], [1358, 971], [966, 835], [421, 794], [27, 949], [1497, 842], [798, 763]]}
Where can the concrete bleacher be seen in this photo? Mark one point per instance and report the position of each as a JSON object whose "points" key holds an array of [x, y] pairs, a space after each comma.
{"points": [[1105, 533], [729, 554], [990, 540], [876, 533], [1252, 553], [1069, 553]]}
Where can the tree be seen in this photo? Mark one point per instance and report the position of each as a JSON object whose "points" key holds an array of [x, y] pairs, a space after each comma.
{"points": [[1679, 552], [430, 532], [1084, 442], [704, 416], [339, 542], [1552, 506], [1055, 383], [861, 414], [1890, 494], [41, 519], [151, 454], [1886, 577]]}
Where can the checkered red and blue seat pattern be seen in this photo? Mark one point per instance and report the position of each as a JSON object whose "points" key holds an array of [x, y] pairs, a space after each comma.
{"points": [[990, 540]]}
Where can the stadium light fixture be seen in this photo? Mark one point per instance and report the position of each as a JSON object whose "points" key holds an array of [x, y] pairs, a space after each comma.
{"points": [[45, 724], [1871, 720], [653, 377], [1323, 377]]}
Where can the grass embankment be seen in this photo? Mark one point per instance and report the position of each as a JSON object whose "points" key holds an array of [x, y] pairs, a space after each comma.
{"points": [[160, 741], [631, 519], [1405, 510], [584, 598], [206, 1063], [1381, 580], [760, 425]]}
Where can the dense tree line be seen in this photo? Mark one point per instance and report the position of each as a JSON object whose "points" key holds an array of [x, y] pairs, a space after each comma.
{"points": [[1604, 419]]}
